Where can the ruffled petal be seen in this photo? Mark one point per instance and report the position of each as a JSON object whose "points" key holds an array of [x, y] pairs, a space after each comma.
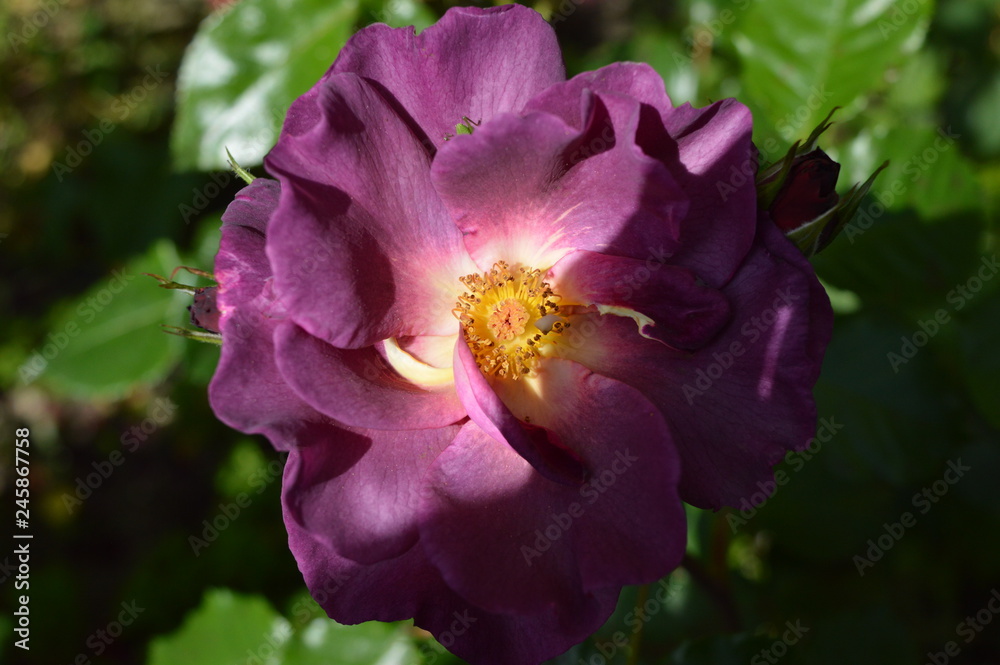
{"points": [[530, 189], [635, 80], [357, 387], [352, 592], [633, 530], [669, 304], [536, 445], [361, 246], [471, 63], [510, 540], [359, 491], [409, 586], [708, 151], [247, 376], [737, 405], [488, 638]]}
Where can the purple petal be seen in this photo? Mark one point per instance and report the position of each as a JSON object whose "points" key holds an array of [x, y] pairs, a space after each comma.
{"points": [[361, 246], [708, 151], [530, 189], [357, 387], [737, 405], [351, 592], [637, 81], [673, 306], [205, 309], [526, 639], [409, 586], [535, 445], [246, 376], [359, 491], [510, 540], [471, 63]]}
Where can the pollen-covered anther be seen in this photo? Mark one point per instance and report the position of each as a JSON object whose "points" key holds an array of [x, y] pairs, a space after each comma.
{"points": [[506, 316]]}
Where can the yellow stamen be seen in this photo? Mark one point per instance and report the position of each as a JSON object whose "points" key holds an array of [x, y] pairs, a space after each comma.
{"points": [[507, 315]]}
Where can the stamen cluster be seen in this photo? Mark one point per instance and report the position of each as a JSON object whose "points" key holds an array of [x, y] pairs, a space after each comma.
{"points": [[507, 314]]}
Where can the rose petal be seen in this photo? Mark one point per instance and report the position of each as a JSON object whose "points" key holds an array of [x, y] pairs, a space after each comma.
{"points": [[487, 638], [471, 63], [535, 445], [737, 405], [409, 586], [352, 592], [510, 540], [359, 491], [361, 246], [530, 189], [710, 154], [669, 303], [246, 375], [635, 80], [707, 151], [620, 436], [357, 387]]}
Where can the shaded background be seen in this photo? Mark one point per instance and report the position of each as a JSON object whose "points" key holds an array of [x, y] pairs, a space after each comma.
{"points": [[146, 511]]}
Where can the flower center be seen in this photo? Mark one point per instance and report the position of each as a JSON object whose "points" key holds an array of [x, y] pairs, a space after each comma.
{"points": [[508, 320], [507, 316]]}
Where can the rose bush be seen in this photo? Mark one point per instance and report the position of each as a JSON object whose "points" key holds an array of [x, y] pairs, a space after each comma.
{"points": [[503, 324]]}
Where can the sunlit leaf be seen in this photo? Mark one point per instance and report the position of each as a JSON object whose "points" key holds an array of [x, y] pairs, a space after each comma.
{"points": [[110, 339], [243, 70], [227, 629], [801, 59]]}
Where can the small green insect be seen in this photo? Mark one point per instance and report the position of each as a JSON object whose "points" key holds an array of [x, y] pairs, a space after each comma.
{"points": [[465, 127]]}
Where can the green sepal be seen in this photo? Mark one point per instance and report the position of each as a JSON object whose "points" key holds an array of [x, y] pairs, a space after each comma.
{"points": [[167, 284], [186, 288], [815, 236], [197, 335], [772, 179], [244, 175], [845, 209]]}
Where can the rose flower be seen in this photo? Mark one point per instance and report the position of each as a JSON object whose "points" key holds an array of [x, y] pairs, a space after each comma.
{"points": [[503, 324]]}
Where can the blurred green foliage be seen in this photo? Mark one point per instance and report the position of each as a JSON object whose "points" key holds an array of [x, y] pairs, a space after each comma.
{"points": [[108, 108]]}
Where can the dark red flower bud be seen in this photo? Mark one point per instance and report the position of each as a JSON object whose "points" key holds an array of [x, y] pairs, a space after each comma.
{"points": [[204, 310], [798, 192], [808, 192]]}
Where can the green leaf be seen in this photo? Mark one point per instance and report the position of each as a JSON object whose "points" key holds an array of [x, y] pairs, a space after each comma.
{"points": [[111, 336], [894, 423], [227, 629], [231, 629], [896, 264], [801, 59], [983, 118], [665, 53], [979, 344], [927, 170], [324, 641], [399, 13], [244, 69]]}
